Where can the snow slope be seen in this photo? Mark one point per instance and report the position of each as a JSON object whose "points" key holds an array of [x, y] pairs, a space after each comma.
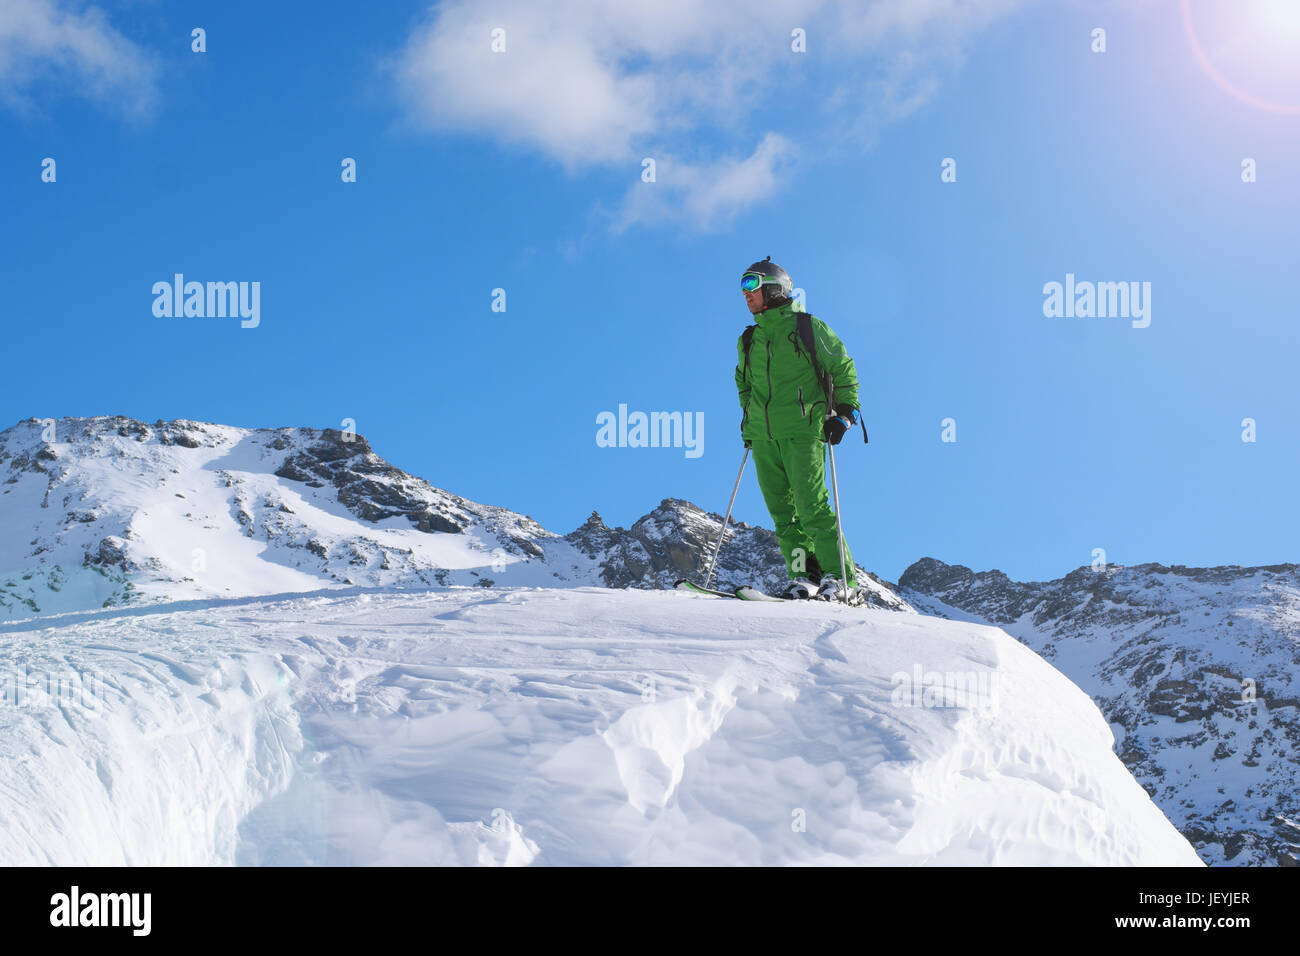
{"points": [[1197, 669], [551, 726]]}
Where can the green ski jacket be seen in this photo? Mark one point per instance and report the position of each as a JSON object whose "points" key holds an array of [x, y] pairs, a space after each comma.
{"points": [[779, 391]]}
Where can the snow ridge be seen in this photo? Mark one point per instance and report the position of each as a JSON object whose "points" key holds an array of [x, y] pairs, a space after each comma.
{"points": [[551, 726]]}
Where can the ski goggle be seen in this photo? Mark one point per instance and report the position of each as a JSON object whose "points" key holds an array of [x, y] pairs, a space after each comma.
{"points": [[751, 281]]}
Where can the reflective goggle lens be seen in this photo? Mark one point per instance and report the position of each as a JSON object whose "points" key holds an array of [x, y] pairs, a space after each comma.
{"points": [[751, 281]]}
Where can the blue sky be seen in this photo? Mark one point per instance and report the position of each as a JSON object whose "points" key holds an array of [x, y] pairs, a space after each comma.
{"points": [[522, 171]]}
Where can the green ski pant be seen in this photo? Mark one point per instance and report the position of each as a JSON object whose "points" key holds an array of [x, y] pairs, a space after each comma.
{"points": [[792, 476]]}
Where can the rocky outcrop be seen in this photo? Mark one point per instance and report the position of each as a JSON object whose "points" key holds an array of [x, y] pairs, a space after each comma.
{"points": [[677, 540]]}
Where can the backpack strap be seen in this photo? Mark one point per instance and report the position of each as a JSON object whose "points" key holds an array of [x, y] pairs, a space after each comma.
{"points": [[747, 340], [804, 327]]}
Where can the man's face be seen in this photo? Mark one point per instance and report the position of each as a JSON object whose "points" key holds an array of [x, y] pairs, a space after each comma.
{"points": [[754, 300]]}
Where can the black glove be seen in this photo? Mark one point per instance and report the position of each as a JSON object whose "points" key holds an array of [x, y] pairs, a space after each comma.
{"points": [[834, 428]]}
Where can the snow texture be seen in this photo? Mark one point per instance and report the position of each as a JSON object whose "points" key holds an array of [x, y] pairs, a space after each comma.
{"points": [[552, 726]]}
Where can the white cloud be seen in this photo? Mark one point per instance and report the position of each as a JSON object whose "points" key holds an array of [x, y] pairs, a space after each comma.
{"points": [[606, 82], [889, 20], [44, 43], [707, 194], [581, 82]]}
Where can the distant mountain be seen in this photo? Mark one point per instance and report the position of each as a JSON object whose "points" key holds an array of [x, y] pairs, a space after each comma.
{"points": [[114, 511], [676, 541], [1195, 668]]}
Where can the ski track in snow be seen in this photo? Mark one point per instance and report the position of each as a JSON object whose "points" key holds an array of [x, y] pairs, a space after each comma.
{"points": [[549, 726]]}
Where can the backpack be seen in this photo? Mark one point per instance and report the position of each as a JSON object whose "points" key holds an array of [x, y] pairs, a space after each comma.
{"points": [[804, 329]]}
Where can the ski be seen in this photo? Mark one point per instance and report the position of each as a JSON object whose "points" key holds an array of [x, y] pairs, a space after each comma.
{"points": [[690, 586], [743, 594]]}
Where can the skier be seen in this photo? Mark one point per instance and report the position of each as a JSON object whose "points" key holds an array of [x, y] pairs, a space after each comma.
{"points": [[786, 426]]}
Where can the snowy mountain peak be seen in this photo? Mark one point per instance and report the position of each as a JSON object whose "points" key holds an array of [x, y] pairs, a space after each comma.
{"points": [[110, 510], [677, 539], [996, 596]]}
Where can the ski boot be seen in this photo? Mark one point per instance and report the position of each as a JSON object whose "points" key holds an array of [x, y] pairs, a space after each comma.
{"points": [[800, 589], [833, 589]]}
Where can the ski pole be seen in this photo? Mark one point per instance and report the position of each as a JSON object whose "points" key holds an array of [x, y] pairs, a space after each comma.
{"points": [[839, 528], [835, 489], [708, 579]]}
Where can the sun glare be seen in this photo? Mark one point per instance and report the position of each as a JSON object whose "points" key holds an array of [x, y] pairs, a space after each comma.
{"points": [[1250, 48], [1282, 13]]}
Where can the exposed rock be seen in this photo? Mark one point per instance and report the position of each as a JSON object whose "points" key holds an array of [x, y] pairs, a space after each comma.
{"points": [[677, 540], [110, 553]]}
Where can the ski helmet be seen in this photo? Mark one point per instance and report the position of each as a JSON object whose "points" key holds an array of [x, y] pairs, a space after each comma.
{"points": [[778, 287]]}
